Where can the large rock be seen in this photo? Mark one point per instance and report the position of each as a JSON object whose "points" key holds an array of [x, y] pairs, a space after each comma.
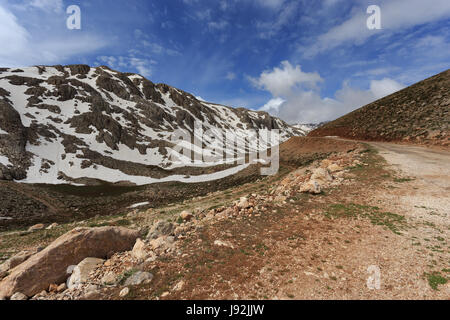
{"points": [[50, 265], [16, 260]]}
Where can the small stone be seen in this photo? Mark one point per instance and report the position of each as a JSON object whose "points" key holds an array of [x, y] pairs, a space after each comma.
{"points": [[36, 227], [139, 251], [312, 187], [138, 278], [157, 243], [61, 288], [165, 294], [243, 203], [53, 288], [186, 216], [52, 226], [335, 168], [18, 296], [179, 286], [221, 243], [124, 292]]}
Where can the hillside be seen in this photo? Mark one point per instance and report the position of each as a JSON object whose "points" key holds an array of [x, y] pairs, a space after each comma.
{"points": [[77, 124], [417, 114]]}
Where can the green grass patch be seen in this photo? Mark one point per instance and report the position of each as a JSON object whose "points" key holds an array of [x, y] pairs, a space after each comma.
{"points": [[435, 279], [391, 221]]}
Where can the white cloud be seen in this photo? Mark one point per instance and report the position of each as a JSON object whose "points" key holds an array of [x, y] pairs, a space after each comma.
{"points": [[48, 5], [130, 63], [282, 81], [13, 35], [396, 16], [34, 47], [298, 103], [273, 105]]}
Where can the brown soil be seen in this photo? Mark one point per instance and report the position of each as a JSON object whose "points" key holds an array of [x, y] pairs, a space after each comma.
{"points": [[304, 249]]}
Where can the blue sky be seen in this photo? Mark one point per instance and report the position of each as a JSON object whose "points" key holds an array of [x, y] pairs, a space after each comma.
{"points": [[305, 61]]}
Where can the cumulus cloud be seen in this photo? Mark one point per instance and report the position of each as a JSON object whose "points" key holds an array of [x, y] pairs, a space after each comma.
{"points": [[296, 103], [396, 16], [282, 81]]}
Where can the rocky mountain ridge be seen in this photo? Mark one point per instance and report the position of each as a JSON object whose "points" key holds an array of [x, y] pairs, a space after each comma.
{"points": [[417, 114], [83, 125]]}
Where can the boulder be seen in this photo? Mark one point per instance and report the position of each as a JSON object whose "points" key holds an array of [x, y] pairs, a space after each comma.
{"points": [[82, 271], [16, 260], [50, 265]]}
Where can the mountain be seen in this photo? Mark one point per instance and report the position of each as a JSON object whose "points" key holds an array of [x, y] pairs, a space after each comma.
{"points": [[84, 125], [418, 114], [308, 127]]}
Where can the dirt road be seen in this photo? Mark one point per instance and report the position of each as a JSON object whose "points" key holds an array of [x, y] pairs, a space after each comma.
{"points": [[430, 166]]}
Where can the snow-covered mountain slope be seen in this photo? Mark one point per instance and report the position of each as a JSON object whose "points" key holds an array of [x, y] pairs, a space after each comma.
{"points": [[308, 127], [77, 123]]}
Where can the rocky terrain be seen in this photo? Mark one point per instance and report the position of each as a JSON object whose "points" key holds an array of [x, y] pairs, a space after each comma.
{"points": [[307, 233], [81, 125], [419, 114]]}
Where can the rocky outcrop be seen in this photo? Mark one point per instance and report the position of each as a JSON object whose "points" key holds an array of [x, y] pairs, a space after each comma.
{"points": [[103, 118], [12, 144], [50, 265]]}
